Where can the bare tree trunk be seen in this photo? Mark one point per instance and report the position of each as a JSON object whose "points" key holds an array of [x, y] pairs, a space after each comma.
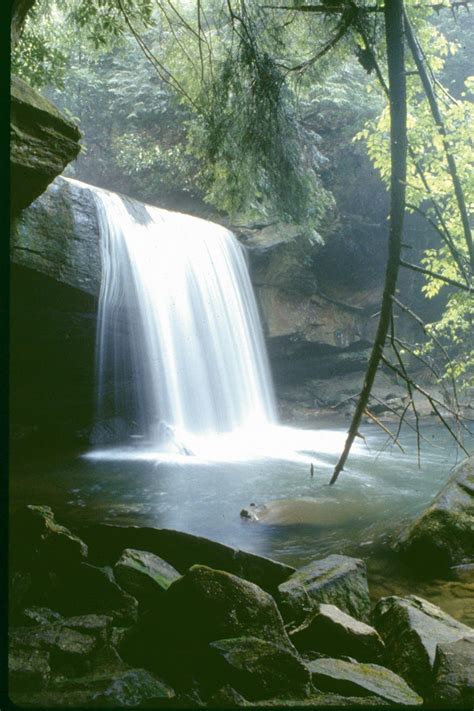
{"points": [[19, 11], [393, 12]]}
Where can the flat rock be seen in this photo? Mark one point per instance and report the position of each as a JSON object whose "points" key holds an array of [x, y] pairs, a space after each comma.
{"points": [[335, 633], [454, 674], [355, 679], [144, 575], [260, 669], [318, 700], [54, 638], [411, 628], [183, 550], [337, 580], [443, 536], [130, 688]]}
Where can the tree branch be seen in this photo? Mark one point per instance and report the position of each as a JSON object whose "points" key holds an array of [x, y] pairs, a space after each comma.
{"points": [[438, 119], [435, 275]]}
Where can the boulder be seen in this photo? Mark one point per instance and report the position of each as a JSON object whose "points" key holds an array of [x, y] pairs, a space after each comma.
{"points": [[411, 629], [206, 605], [453, 673], [260, 669], [443, 536], [37, 540], [133, 687], [337, 580], [144, 575], [335, 633], [183, 550], [42, 143], [355, 679], [203, 606]]}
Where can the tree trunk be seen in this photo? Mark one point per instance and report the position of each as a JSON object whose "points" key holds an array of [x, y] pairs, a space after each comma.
{"points": [[393, 12], [19, 11]]}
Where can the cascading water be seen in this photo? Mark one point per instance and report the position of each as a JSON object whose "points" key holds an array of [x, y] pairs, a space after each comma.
{"points": [[179, 322]]}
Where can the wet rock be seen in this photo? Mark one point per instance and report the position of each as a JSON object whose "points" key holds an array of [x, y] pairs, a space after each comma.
{"points": [[37, 540], [411, 629], [183, 550], [260, 669], [28, 669], [443, 536], [42, 143], [144, 575], [335, 633], [453, 673], [133, 687], [337, 580], [355, 679]]}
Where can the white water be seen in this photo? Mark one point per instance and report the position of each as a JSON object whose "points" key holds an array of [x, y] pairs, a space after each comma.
{"points": [[179, 322]]}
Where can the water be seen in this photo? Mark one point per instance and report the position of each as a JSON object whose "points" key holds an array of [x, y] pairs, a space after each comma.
{"points": [[178, 322], [377, 494], [380, 490]]}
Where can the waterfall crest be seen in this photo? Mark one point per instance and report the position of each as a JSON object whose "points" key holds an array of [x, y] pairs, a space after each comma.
{"points": [[177, 320]]}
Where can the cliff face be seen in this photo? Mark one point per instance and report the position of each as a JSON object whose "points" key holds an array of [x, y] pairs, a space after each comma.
{"points": [[42, 143], [314, 324]]}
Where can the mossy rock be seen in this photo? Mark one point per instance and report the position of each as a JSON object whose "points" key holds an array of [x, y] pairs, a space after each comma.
{"points": [[443, 536], [354, 679], [260, 669], [144, 575], [412, 628], [337, 580], [335, 633]]}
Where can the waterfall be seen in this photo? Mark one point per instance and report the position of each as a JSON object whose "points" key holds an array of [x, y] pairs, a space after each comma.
{"points": [[179, 325]]}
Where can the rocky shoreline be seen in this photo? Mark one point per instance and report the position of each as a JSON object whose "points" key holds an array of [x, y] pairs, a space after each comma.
{"points": [[110, 616]]}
